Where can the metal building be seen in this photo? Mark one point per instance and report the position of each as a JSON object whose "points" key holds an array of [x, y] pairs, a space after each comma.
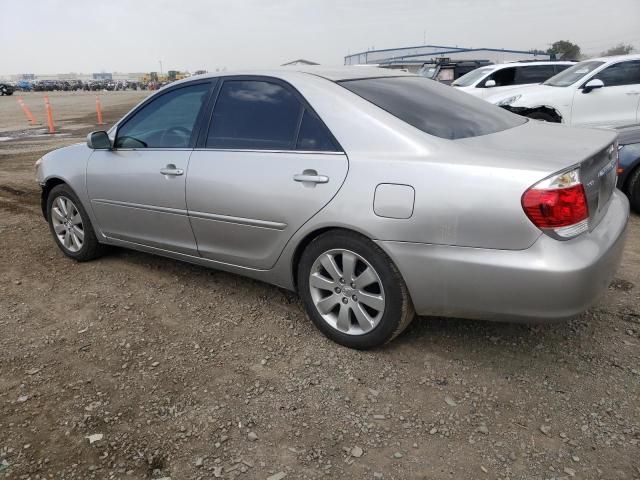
{"points": [[412, 58]]}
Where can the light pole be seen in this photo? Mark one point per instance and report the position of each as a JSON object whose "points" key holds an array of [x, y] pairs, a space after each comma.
{"points": [[160, 67]]}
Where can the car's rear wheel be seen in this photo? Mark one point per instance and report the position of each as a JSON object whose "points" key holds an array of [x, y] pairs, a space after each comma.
{"points": [[70, 225], [633, 190], [352, 291]]}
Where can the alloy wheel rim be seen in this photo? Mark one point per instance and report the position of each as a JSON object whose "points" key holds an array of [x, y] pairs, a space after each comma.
{"points": [[347, 292], [67, 224]]}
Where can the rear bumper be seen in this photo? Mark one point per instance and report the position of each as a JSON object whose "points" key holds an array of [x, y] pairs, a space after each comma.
{"points": [[551, 280]]}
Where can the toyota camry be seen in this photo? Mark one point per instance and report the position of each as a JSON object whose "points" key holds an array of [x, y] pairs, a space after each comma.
{"points": [[374, 194]]}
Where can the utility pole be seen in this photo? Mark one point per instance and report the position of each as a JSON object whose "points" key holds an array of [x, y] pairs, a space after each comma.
{"points": [[160, 67]]}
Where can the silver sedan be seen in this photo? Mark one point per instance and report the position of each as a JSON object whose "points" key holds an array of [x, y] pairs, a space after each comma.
{"points": [[374, 194]]}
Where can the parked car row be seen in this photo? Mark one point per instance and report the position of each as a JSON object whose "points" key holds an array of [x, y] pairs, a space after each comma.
{"points": [[6, 89], [490, 80], [600, 92], [75, 85]]}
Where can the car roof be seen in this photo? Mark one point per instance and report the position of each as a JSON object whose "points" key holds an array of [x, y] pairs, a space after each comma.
{"points": [[615, 58], [334, 74], [542, 62], [528, 64]]}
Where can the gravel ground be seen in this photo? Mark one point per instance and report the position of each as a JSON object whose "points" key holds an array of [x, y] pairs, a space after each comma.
{"points": [[136, 366]]}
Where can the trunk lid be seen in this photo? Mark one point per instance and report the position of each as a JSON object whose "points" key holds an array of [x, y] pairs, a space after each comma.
{"points": [[550, 148], [598, 175]]}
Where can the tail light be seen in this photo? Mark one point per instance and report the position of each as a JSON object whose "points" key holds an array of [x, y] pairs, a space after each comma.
{"points": [[616, 151], [558, 204]]}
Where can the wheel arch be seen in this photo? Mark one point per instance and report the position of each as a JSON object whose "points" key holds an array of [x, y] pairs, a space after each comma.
{"points": [[49, 185], [310, 237], [526, 111], [629, 175]]}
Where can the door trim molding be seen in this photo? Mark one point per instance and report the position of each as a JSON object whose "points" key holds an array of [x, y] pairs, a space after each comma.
{"points": [[250, 222], [153, 208]]}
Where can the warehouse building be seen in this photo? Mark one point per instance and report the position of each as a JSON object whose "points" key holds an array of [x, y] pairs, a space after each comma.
{"points": [[412, 58]]}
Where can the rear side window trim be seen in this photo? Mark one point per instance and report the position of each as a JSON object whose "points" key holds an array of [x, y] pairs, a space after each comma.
{"points": [[208, 120]]}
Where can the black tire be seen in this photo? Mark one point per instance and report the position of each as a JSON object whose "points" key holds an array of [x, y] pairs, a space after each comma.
{"points": [[633, 190], [542, 116], [91, 248], [398, 309]]}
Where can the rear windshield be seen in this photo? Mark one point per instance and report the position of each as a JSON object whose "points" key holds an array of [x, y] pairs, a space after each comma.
{"points": [[434, 108]]}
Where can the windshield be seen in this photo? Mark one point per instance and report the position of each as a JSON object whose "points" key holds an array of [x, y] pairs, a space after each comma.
{"points": [[428, 71], [433, 107], [472, 77], [572, 74]]}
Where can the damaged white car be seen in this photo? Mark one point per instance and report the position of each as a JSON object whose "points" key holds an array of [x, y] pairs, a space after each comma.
{"points": [[598, 92]]}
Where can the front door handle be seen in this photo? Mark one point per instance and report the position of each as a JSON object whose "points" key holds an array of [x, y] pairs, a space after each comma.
{"points": [[171, 170], [310, 176]]}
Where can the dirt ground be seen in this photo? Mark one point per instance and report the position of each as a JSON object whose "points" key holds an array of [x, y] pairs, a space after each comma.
{"points": [[135, 366]]}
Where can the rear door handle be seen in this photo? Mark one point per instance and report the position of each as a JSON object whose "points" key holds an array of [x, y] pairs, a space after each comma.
{"points": [[311, 176], [171, 170]]}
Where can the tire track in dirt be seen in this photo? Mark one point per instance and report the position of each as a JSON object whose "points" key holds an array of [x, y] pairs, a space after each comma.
{"points": [[14, 200]]}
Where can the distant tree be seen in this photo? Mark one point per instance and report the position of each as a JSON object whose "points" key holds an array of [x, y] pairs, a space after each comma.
{"points": [[565, 50], [620, 49]]}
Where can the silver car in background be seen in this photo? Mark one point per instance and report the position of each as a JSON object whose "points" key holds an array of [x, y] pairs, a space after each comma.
{"points": [[374, 194]]}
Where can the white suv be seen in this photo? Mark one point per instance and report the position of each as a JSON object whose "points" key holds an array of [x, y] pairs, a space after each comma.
{"points": [[486, 81], [602, 92]]}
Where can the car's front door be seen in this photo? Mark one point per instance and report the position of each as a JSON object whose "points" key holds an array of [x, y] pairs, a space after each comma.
{"points": [[614, 104], [265, 167], [137, 189], [503, 79]]}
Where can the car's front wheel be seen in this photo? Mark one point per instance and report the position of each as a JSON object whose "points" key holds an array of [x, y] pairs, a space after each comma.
{"points": [[352, 291], [70, 225]]}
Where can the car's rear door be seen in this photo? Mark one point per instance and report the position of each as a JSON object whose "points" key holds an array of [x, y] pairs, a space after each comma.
{"points": [[532, 74], [266, 165], [137, 189], [616, 103]]}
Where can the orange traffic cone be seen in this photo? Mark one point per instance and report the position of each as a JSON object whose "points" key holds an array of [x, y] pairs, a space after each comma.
{"points": [[52, 127], [26, 111], [99, 110]]}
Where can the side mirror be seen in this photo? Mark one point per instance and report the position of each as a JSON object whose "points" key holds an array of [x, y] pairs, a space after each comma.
{"points": [[490, 83], [98, 140], [592, 85]]}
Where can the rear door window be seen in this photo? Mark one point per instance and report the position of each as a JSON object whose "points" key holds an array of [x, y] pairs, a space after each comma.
{"points": [[533, 74], [503, 77], [314, 136], [252, 114]]}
